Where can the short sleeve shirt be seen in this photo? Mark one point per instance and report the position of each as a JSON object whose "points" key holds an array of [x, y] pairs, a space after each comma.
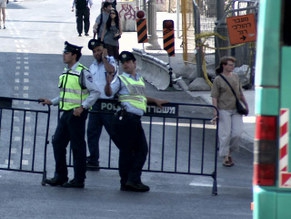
{"points": [[222, 92]]}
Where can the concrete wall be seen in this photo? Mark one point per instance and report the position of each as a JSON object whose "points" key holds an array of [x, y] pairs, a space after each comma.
{"points": [[154, 71], [127, 10]]}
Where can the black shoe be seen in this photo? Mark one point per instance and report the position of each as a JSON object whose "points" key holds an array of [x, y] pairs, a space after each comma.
{"points": [[123, 187], [74, 184], [55, 181], [92, 166], [86, 34], [136, 187], [80, 35]]}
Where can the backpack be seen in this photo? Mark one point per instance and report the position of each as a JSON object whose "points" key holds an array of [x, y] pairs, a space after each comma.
{"points": [[81, 4]]}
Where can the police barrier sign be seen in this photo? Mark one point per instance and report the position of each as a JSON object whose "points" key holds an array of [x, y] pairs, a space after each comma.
{"points": [[110, 106]]}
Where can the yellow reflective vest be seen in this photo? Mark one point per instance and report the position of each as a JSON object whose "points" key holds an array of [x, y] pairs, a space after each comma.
{"points": [[72, 94], [136, 96]]}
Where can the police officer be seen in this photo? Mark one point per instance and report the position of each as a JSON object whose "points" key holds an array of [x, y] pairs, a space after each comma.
{"points": [[101, 65], [82, 14], [127, 131], [77, 94]]}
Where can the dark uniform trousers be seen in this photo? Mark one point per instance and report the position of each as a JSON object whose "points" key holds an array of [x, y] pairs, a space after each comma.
{"points": [[71, 129], [94, 129], [129, 137], [83, 14]]}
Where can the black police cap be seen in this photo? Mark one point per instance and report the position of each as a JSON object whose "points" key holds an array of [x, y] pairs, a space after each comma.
{"points": [[94, 43], [72, 48], [126, 56]]}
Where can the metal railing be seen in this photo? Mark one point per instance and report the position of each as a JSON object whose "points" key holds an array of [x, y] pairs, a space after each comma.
{"points": [[24, 126], [180, 138]]}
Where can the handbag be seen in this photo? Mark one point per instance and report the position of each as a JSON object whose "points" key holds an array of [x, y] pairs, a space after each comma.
{"points": [[117, 37], [240, 107]]}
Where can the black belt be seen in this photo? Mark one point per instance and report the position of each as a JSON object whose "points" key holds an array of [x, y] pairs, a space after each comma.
{"points": [[124, 113]]}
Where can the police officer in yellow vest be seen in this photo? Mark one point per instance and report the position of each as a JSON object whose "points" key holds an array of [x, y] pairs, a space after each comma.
{"points": [[127, 131], [77, 94]]}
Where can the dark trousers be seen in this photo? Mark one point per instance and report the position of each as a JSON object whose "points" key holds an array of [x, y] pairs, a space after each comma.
{"points": [[71, 129], [95, 124], [129, 137], [83, 15], [112, 51]]}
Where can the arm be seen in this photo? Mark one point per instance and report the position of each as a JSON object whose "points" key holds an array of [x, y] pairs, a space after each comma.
{"points": [[73, 5], [94, 93], [113, 85], [156, 101], [107, 88], [103, 33], [109, 63], [243, 99], [214, 103], [90, 3], [97, 21], [44, 101], [120, 27]]}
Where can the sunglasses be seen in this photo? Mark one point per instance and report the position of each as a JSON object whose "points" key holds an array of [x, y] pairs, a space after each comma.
{"points": [[112, 13]]}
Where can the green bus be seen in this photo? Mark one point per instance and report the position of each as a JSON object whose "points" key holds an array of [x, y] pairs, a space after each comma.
{"points": [[272, 152]]}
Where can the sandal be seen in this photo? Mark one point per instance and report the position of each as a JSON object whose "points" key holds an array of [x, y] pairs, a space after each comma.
{"points": [[227, 162]]}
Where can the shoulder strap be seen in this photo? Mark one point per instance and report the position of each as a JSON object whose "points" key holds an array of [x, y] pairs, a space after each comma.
{"points": [[229, 85]]}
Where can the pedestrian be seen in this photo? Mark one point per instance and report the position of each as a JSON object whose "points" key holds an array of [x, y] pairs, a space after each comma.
{"points": [[111, 34], [77, 94], [82, 15], [101, 65], [127, 130], [113, 2], [230, 121], [3, 5], [102, 19]]}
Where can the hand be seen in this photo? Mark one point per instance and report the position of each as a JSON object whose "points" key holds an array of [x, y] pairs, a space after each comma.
{"points": [[213, 120], [159, 102], [104, 53], [44, 101], [78, 111]]}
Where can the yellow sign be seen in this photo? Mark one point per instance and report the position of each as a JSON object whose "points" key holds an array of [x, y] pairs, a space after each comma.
{"points": [[241, 29]]}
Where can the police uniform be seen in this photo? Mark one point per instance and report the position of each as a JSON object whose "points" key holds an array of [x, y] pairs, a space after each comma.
{"points": [[82, 14], [76, 89], [96, 121], [127, 130]]}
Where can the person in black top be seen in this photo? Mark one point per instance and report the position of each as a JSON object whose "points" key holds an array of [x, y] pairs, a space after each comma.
{"points": [[82, 14]]}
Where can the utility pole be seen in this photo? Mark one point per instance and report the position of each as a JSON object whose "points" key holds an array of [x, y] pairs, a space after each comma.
{"points": [[220, 29], [152, 24], [220, 9]]}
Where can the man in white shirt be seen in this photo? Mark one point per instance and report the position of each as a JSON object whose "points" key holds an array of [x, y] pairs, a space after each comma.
{"points": [[102, 65]]}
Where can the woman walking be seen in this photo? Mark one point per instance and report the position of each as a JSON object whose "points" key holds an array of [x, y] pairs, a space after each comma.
{"points": [[111, 34], [230, 121]]}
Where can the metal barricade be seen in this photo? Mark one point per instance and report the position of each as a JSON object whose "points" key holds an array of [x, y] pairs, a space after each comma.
{"points": [[24, 126], [180, 137]]}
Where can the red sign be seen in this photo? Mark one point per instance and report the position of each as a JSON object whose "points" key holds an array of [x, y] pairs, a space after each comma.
{"points": [[241, 29]]}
